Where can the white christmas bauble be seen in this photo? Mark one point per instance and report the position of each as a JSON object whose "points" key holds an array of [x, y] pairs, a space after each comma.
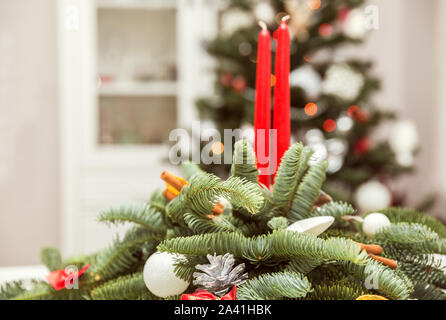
{"points": [[235, 19], [320, 153], [373, 223], [314, 136], [308, 79], [404, 137], [159, 275], [373, 196], [405, 159], [344, 123], [314, 226], [248, 133], [354, 27], [335, 163], [343, 81], [264, 12]]}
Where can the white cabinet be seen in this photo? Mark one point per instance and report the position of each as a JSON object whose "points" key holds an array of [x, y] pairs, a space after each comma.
{"points": [[130, 71]]}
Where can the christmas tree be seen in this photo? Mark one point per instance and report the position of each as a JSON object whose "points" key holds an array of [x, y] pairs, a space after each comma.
{"points": [[205, 238], [330, 93]]}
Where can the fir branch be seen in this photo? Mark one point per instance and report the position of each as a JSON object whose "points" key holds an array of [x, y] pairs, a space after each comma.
{"points": [[190, 169], [334, 209], [185, 266], [295, 244], [291, 170], [273, 286], [80, 260], [51, 258], [43, 291], [279, 246], [427, 291], [244, 162], [158, 202], [201, 195], [303, 265], [393, 284], [406, 233], [328, 272], [140, 214], [208, 225], [423, 268], [411, 237], [243, 194], [128, 287], [342, 290], [397, 215], [11, 289], [308, 192], [278, 223], [121, 256]]}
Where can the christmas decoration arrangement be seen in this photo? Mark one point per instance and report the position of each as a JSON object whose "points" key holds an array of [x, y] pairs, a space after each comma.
{"points": [[260, 234], [330, 93], [204, 238]]}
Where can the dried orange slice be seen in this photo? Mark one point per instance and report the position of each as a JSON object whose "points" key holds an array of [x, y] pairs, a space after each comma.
{"points": [[371, 297]]}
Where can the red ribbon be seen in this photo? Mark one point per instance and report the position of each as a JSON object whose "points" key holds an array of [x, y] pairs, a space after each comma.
{"points": [[205, 295], [57, 279]]}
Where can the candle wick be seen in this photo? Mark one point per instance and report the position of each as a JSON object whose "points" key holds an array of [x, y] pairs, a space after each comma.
{"points": [[286, 18], [262, 25]]}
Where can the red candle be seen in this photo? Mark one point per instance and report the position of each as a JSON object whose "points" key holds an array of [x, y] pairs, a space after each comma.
{"points": [[282, 121], [262, 114]]}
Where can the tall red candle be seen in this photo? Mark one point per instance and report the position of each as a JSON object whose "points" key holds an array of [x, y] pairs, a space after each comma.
{"points": [[262, 114], [282, 121]]}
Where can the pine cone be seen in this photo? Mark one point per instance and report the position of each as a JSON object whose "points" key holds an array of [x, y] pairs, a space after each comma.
{"points": [[220, 275]]}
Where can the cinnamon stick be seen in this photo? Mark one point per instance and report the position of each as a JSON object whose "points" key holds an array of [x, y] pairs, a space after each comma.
{"points": [[177, 183], [371, 248], [323, 199], [173, 180], [218, 209], [169, 195], [392, 264]]}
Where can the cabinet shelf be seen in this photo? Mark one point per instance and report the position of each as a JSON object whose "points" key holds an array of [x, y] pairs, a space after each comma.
{"points": [[137, 4], [152, 88]]}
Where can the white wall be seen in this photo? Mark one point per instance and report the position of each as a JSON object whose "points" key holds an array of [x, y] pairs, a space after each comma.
{"points": [[28, 130]]}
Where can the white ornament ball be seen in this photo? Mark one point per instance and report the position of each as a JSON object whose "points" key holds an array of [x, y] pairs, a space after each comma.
{"points": [[235, 19], [343, 81], [159, 275], [314, 226], [355, 25], [373, 223], [344, 124], [308, 79], [248, 133], [320, 153], [264, 12], [373, 196], [405, 159], [404, 137]]}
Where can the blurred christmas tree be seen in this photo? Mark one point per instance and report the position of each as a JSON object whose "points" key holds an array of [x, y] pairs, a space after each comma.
{"points": [[330, 95]]}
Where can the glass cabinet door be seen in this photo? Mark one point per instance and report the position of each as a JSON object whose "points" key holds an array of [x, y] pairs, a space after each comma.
{"points": [[137, 65]]}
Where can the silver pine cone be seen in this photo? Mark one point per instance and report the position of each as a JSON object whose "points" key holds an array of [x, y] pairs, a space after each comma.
{"points": [[220, 275]]}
